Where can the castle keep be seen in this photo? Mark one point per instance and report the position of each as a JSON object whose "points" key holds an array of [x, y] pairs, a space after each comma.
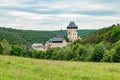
{"points": [[72, 32]]}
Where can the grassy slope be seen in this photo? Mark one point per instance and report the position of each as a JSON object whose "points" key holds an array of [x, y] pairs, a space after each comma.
{"points": [[16, 68]]}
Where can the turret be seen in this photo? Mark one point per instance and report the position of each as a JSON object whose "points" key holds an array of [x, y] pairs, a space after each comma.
{"points": [[72, 32]]}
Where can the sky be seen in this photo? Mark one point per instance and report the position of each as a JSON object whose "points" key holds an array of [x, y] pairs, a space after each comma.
{"points": [[56, 14]]}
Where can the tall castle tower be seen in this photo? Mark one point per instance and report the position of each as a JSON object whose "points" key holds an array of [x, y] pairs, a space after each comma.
{"points": [[72, 32]]}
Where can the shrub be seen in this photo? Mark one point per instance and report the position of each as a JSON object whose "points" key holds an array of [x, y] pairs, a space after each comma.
{"points": [[98, 52], [81, 52], [28, 53], [48, 54], [89, 51], [17, 50], [108, 56]]}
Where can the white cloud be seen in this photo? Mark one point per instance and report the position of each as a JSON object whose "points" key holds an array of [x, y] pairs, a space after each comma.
{"points": [[46, 15]]}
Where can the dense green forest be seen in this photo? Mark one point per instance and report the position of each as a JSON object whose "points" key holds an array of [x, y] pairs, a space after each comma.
{"points": [[100, 46], [27, 37], [110, 34]]}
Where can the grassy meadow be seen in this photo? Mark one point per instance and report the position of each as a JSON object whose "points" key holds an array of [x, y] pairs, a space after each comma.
{"points": [[17, 68]]}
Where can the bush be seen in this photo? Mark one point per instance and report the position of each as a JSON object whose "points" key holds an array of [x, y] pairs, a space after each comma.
{"points": [[107, 57], [17, 50], [64, 53], [55, 54], [38, 54], [81, 52], [28, 53], [98, 52], [89, 51], [48, 54]]}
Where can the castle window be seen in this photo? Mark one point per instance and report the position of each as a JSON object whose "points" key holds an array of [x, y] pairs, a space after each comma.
{"points": [[69, 33], [56, 41]]}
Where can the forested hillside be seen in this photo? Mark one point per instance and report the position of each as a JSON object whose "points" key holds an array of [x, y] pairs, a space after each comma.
{"points": [[110, 34], [27, 37], [100, 46]]}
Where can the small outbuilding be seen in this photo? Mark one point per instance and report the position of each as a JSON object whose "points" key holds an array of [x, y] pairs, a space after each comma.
{"points": [[37, 46]]}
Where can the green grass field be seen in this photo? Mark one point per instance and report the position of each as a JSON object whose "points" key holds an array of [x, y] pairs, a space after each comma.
{"points": [[17, 68]]}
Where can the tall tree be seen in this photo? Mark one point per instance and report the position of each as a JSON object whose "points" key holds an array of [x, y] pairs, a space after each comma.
{"points": [[116, 54], [6, 47], [1, 49], [98, 52]]}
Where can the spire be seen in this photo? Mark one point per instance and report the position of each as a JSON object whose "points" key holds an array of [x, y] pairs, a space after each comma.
{"points": [[60, 34], [61, 29], [72, 25]]}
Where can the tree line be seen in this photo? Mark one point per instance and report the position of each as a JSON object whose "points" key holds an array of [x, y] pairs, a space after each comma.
{"points": [[101, 46], [78, 51]]}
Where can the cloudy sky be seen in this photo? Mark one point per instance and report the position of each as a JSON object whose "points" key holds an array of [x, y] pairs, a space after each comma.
{"points": [[56, 14]]}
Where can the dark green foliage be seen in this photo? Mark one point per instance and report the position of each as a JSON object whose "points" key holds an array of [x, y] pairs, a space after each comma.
{"points": [[65, 53], [79, 52], [110, 34], [38, 54], [104, 45], [55, 54], [83, 33], [82, 52], [115, 34], [116, 54], [79, 41], [76, 52], [49, 54], [12, 36], [98, 52], [28, 37], [6, 47], [89, 51], [34, 53], [17, 50], [1, 49], [25, 37], [27, 53], [107, 57], [67, 39]]}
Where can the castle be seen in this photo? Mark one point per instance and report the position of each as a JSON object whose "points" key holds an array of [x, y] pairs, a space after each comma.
{"points": [[59, 40]]}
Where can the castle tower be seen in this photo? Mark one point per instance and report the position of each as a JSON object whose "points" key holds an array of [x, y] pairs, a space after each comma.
{"points": [[61, 34], [72, 32]]}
